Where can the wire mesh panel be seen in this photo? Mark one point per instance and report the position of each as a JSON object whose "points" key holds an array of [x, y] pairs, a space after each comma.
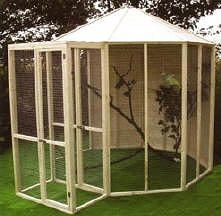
{"points": [[93, 163], [164, 116], [88, 122], [29, 169], [26, 112], [91, 111], [206, 76], [57, 86], [56, 185], [91, 108], [192, 112], [127, 112], [52, 89], [25, 92]]}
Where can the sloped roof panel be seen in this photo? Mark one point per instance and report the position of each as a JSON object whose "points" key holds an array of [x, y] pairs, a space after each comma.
{"points": [[129, 24]]}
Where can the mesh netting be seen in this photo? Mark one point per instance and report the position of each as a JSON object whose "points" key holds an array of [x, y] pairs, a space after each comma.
{"points": [[206, 73], [56, 186], [91, 112], [89, 119], [52, 89], [57, 87], [29, 174], [127, 122], [192, 112], [164, 116], [25, 92]]}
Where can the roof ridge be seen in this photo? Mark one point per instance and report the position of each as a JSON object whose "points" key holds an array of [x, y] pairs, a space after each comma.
{"points": [[118, 24]]}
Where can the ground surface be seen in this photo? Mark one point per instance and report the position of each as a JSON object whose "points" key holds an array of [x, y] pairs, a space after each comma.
{"points": [[202, 199]]}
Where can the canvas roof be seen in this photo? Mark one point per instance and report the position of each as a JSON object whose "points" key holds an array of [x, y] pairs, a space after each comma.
{"points": [[129, 24]]}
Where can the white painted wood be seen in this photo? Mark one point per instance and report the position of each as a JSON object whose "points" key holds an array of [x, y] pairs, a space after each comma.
{"points": [[54, 143], [106, 118], [57, 45], [184, 117], [75, 126], [49, 203], [212, 107], [53, 45], [199, 109], [58, 124], [33, 186], [90, 188], [40, 123], [50, 111], [25, 137], [85, 45], [80, 170], [60, 181], [131, 193], [68, 126], [157, 43], [13, 116], [27, 197], [190, 184], [57, 205], [146, 133], [91, 202], [41, 46], [89, 95], [94, 129]]}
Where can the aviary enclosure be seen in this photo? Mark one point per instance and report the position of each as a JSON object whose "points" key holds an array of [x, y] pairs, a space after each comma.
{"points": [[97, 119]]}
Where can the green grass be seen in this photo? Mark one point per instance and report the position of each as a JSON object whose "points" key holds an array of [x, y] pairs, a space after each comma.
{"points": [[203, 199]]}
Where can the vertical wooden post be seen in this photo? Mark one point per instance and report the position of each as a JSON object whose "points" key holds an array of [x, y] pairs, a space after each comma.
{"points": [[184, 117], [14, 119], [80, 169], [146, 132], [89, 96], [68, 126], [106, 118], [212, 106], [50, 112], [199, 109], [40, 122]]}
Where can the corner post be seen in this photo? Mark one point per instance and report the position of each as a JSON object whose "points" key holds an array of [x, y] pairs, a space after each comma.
{"points": [[67, 80], [212, 106], [146, 133], [106, 118], [14, 119], [40, 123], [199, 109], [79, 147], [184, 116]]}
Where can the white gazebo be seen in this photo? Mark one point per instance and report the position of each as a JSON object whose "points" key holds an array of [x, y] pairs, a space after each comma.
{"points": [[123, 105]]}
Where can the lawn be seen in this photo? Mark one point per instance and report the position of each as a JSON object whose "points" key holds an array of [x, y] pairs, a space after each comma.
{"points": [[202, 199]]}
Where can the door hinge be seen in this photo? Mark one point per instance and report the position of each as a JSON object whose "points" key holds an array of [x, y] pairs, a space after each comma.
{"points": [[64, 56], [69, 194]]}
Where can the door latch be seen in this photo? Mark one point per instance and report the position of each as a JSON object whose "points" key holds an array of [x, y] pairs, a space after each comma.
{"points": [[81, 127]]}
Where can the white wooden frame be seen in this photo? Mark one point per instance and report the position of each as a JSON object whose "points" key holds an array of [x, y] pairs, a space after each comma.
{"points": [[50, 112], [78, 109], [70, 126], [14, 121], [184, 52]]}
